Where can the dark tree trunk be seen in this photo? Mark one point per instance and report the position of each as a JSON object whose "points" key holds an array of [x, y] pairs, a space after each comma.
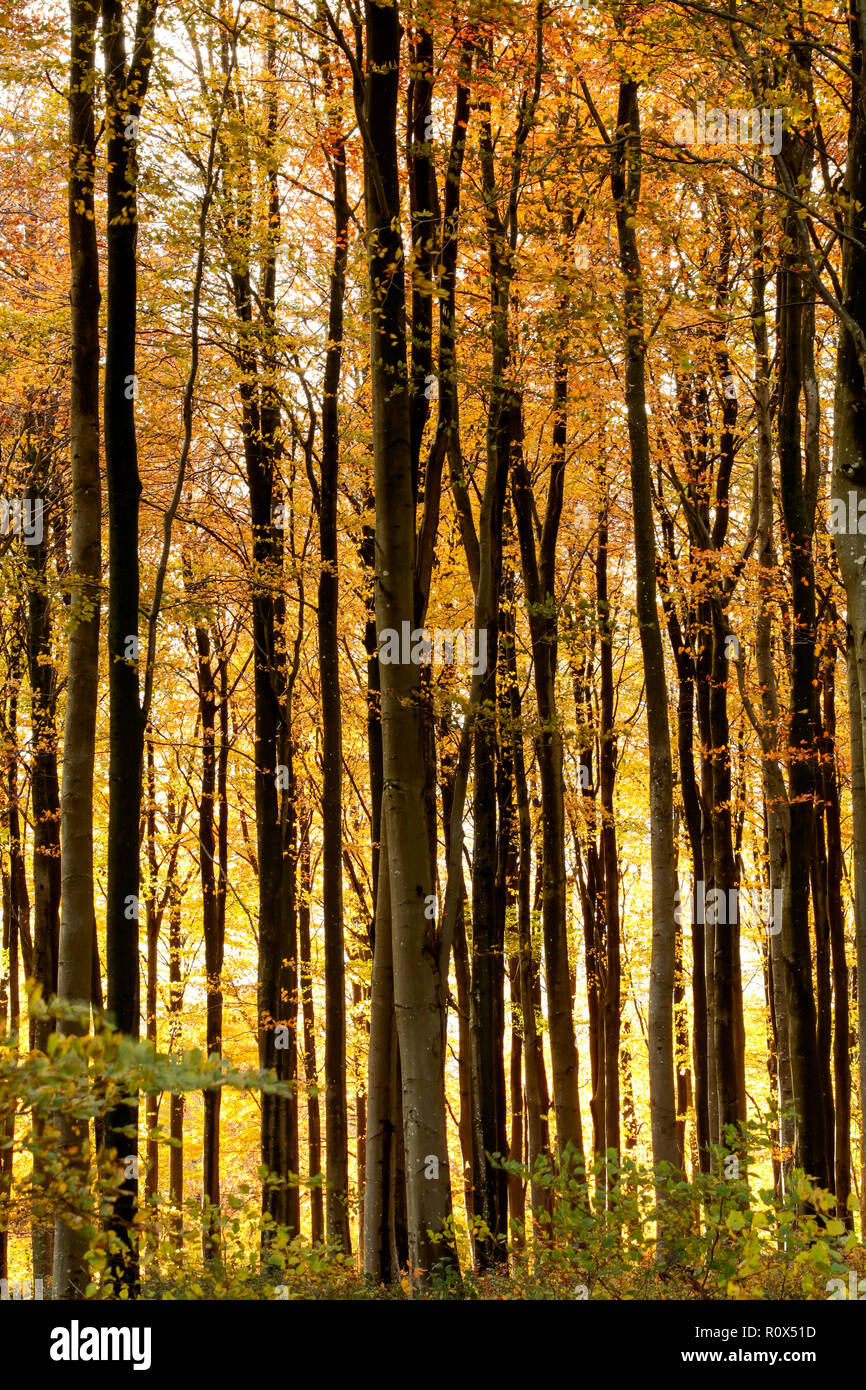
{"points": [[836, 918], [212, 866], [44, 784], [487, 989], [153, 922], [685, 663], [609, 856], [260, 422], [418, 987], [462, 980], [811, 1134], [538, 578], [175, 1044], [380, 1260], [125, 86], [77, 920], [516, 1185], [311, 1075], [725, 882], [823, 981], [537, 1100], [849, 474], [336, 1122], [16, 911], [625, 168], [592, 893]]}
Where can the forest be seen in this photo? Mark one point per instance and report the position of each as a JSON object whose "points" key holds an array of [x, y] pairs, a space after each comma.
{"points": [[432, 649]]}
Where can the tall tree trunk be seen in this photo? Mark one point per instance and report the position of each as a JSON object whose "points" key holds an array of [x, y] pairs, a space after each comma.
{"points": [[153, 922], [725, 883], [16, 912], [9, 1020], [380, 1261], [77, 922], [537, 1102], [125, 88], [798, 514], [836, 916], [707, 885], [418, 988], [45, 788], [462, 981], [213, 908], [625, 167], [538, 578], [823, 980], [539, 584], [681, 646], [287, 1069], [487, 987], [592, 886], [311, 1074], [175, 1042], [775, 792], [849, 475], [516, 1185], [336, 1121], [609, 856]]}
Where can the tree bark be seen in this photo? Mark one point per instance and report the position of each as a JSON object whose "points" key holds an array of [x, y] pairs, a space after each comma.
{"points": [[71, 1275], [625, 166], [418, 988], [798, 513], [125, 88], [311, 1074], [336, 1120]]}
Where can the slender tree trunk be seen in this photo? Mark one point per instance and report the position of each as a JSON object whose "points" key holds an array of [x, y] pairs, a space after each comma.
{"points": [[336, 1122], [213, 909], [685, 664], [684, 1074], [836, 915], [539, 585], [625, 152], [811, 1136], [537, 1103], [462, 983], [287, 1068], [44, 785], [726, 885], [487, 986], [45, 790], [609, 856], [849, 475], [379, 1256], [153, 922], [311, 1074], [516, 1185], [16, 911], [175, 1044], [823, 980], [702, 674], [775, 792]]}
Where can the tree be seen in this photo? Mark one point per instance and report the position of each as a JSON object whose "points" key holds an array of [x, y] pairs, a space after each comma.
{"points": [[417, 981], [74, 971]]}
